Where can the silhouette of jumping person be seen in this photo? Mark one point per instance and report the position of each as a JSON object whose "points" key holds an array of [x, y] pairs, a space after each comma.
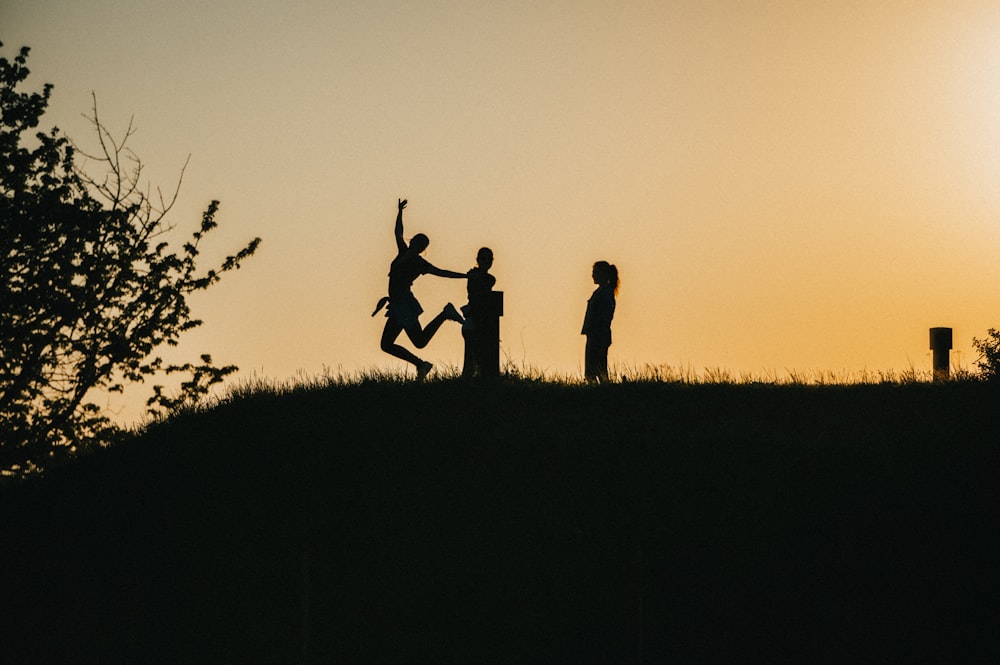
{"points": [[597, 321], [404, 309], [478, 330]]}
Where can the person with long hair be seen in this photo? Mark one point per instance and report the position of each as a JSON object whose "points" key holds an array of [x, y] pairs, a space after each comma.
{"points": [[597, 321], [404, 309]]}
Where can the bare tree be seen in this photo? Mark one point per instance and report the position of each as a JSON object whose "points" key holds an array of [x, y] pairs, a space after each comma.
{"points": [[90, 288]]}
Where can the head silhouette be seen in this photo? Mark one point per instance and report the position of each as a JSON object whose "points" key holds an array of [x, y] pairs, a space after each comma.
{"points": [[484, 259], [606, 274], [419, 243]]}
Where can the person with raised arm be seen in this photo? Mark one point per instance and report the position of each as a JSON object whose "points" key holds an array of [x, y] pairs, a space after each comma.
{"points": [[404, 309]]}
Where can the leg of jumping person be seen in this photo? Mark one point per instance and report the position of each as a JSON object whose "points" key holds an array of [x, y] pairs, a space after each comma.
{"points": [[388, 343], [421, 337]]}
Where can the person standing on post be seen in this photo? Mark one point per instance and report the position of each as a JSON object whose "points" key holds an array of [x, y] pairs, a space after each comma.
{"points": [[597, 321], [477, 329], [404, 309]]}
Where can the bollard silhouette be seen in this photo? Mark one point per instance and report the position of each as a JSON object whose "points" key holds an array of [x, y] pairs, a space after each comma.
{"points": [[482, 346], [491, 360], [941, 346]]}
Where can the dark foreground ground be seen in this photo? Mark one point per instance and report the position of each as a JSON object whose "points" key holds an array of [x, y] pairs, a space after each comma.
{"points": [[522, 523]]}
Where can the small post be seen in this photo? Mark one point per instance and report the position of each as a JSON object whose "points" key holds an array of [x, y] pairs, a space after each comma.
{"points": [[482, 337], [491, 338], [941, 346]]}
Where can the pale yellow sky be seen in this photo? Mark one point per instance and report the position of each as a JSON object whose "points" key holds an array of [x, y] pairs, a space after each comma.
{"points": [[786, 185]]}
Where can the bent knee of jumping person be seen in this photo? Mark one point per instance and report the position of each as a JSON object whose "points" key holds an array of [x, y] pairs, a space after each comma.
{"points": [[418, 337]]}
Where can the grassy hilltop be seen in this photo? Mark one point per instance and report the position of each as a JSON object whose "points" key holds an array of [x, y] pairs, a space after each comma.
{"points": [[521, 522]]}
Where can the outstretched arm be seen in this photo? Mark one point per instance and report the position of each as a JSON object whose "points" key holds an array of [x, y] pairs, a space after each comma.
{"points": [[400, 243], [434, 270]]}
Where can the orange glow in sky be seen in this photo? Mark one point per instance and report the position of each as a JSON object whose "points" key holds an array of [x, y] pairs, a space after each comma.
{"points": [[786, 185]]}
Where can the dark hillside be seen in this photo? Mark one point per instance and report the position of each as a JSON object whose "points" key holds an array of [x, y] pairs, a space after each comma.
{"points": [[522, 523]]}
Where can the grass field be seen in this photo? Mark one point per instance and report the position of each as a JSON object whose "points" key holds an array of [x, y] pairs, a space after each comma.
{"points": [[522, 521]]}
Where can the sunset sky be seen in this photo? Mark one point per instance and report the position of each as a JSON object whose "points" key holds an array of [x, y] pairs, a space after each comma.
{"points": [[787, 185]]}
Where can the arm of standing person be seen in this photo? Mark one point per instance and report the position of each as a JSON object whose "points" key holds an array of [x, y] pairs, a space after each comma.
{"points": [[600, 312], [605, 307], [400, 243]]}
